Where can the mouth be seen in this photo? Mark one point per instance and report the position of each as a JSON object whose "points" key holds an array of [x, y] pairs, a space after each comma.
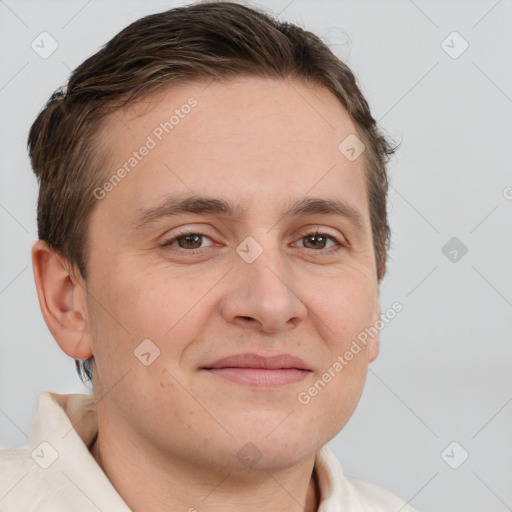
{"points": [[259, 371]]}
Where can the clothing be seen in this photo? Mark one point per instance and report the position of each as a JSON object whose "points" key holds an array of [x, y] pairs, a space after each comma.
{"points": [[55, 471]]}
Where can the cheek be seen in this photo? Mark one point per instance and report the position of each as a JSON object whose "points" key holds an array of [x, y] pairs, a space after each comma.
{"points": [[132, 307], [146, 304], [346, 309]]}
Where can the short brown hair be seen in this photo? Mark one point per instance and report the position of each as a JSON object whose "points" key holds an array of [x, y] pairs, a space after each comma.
{"points": [[207, 40]]}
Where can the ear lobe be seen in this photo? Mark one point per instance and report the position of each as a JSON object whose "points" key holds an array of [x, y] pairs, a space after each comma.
{"points": [[62, 301], [373, 350]]}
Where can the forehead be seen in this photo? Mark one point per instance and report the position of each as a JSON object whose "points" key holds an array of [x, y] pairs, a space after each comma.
{"points": [[252, 139]]}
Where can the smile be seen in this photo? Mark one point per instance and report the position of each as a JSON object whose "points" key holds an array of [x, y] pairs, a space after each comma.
{"points": [[260, 376]]}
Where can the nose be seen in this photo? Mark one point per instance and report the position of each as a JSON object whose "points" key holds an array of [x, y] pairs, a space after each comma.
{"points": [[262, 297]]}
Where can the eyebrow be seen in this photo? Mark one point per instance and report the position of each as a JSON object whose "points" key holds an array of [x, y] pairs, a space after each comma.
{"points": [[178, 205]]}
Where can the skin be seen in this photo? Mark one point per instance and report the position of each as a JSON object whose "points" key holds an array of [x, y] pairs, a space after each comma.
{"points": [[169, 432]]}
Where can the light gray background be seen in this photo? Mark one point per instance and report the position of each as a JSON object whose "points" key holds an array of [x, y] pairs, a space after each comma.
{"points": [[444, 372]]}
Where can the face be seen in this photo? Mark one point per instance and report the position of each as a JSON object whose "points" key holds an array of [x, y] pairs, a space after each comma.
{"points": [[240, 232]]}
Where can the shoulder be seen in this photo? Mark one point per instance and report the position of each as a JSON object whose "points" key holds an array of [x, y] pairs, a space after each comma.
{"points": [[39, 475], [378, 499], [19, 482], [13, 459], [340, 492]]}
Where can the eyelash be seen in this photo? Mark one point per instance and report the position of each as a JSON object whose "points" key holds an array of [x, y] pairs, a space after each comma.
{"points": [[169, 243]]}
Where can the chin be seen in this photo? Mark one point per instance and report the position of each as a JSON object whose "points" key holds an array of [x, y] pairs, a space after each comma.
{"points": [[273, 445], [271, 455]]}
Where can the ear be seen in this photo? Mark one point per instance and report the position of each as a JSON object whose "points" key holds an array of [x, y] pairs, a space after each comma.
{"points": [[62, 298], [374, 345]]}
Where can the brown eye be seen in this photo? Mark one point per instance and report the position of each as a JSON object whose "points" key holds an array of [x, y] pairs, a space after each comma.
{"points": [[320, 244], [191, 241], [315, 241], [187, 241]]}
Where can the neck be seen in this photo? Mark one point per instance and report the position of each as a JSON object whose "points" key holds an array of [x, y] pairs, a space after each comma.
{"points": [[147, 483]]}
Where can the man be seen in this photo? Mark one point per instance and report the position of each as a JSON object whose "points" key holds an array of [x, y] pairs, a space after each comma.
{"points": [[213, 232]]}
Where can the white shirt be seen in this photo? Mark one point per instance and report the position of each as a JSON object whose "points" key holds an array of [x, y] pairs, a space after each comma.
{"points": [[55, 471]]}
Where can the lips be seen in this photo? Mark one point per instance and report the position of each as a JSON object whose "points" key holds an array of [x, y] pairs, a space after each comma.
{"points": [[279, 362], [260, 371]]}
